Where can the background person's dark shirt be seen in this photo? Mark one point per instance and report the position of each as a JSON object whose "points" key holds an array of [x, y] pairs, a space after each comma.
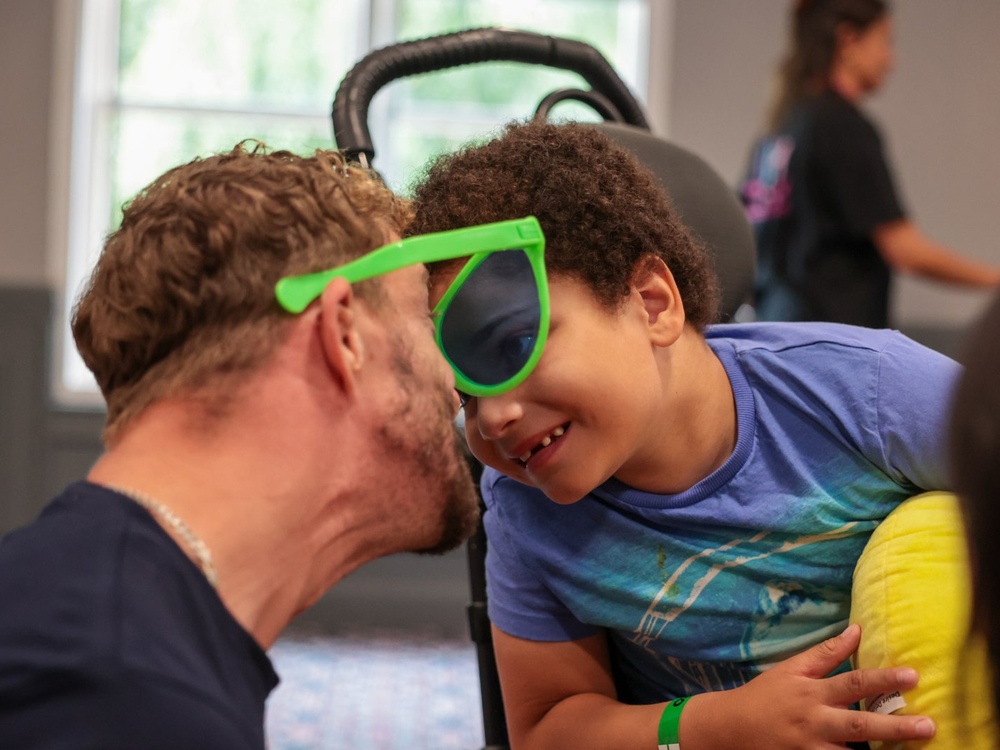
{"points": [[111, 638], [815, 193]]}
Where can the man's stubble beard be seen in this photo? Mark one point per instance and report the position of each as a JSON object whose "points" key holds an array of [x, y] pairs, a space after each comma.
{"points": [[424, 433]]}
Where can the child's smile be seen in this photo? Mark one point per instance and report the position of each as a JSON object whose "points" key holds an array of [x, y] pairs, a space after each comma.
{"points": [[526, 457]]}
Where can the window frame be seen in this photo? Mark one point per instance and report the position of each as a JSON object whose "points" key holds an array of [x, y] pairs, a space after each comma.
{"points": [[84, 98]]}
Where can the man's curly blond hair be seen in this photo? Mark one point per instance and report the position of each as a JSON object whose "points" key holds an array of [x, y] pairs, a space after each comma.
{"points": [[182, 297]]}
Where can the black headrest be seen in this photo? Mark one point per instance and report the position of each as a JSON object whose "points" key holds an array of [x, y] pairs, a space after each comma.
{"points": [[705, 203]]}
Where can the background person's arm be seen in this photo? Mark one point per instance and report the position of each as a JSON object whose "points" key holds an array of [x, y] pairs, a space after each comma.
{"points": [[561, 694], [905, 248]]}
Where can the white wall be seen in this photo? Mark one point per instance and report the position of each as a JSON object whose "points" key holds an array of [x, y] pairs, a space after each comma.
{"points": [[939, 113], [26, 53]]}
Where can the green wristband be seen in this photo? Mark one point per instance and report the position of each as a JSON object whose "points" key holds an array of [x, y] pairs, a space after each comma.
{"points": [[670, 725]]}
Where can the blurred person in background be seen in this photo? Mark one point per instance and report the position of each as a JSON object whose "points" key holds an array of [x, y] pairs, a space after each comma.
{"points": [[830, 226]]}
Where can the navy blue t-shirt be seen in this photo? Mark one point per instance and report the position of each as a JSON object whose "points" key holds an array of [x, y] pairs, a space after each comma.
{"points": [[815, 193], [111, 638]]}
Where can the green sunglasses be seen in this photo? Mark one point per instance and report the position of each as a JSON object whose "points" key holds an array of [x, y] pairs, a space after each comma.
{"points": [[493, 320]]}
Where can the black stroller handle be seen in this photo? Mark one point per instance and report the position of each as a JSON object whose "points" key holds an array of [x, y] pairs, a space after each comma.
{"points": [[380, 67]]}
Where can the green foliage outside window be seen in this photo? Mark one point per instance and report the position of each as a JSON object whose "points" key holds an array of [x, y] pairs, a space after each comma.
{"points": [[196, 77]]}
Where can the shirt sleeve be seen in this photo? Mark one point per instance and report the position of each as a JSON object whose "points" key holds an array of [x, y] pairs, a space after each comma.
{"points": [[855, 174], [916, 386], [519, 601]]}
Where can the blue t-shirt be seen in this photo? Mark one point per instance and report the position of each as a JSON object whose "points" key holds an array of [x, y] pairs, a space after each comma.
{"points": [[112, 639], [703, 589]]}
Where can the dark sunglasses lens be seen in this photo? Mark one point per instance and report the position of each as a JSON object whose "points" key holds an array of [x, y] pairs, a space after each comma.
{"points": [[490, 327]]}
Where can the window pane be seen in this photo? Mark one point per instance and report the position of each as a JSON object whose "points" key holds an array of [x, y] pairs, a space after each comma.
{"points": [[421, 116], [180, 135], [609, 25], [238, 53]]}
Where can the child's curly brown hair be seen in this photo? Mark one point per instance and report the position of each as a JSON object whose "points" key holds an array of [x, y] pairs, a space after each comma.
{"points": [[602, 212]]}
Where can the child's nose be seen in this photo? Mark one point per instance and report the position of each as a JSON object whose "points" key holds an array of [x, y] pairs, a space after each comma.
{"points": [[496, 414]]}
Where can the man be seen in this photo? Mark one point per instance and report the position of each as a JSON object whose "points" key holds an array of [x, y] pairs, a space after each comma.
{"points": [[253, 458]]}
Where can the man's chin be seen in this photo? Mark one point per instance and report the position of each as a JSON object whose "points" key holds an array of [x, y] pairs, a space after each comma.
{"points": [[461, 514]]}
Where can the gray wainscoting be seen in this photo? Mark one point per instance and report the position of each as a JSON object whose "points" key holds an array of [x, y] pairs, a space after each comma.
{"points": [[42, 448], [23, 316]]}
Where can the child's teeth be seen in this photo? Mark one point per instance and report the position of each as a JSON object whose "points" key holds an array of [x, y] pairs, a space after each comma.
{"points": [[545, 443]]}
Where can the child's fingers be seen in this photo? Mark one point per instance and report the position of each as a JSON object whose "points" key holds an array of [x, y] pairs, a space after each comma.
{"points": [[859, 726], [823, 658], [851, 687]]}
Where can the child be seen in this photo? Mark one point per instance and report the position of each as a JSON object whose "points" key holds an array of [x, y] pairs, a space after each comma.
{"points": [[675, 509]]}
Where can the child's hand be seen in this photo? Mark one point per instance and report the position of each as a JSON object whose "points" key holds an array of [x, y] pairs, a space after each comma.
{"points": [[793, 705]]}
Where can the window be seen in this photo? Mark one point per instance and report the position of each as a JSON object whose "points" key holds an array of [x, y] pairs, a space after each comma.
{"points": [[159, 82]]}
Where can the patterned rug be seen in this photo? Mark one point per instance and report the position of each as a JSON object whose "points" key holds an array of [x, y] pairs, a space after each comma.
{"points": [[374, 693]]}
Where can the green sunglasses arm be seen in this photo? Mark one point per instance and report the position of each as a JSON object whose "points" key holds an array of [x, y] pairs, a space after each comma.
{"points": [[295, 293]]}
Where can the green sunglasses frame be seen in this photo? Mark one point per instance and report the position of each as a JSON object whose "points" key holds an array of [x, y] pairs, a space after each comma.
{"points": [[296, 293]]}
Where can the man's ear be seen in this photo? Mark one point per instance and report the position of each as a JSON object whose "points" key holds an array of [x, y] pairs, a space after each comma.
{"points": [[661, 301], [343, 346]]}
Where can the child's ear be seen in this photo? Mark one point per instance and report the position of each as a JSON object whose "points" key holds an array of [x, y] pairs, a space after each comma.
{"points": [[661, 301], [343, 347]]}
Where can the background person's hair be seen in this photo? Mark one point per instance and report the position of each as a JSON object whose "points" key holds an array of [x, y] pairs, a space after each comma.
{"points": [[812, 46], [975, 462], [602, 212], [183, 293]]}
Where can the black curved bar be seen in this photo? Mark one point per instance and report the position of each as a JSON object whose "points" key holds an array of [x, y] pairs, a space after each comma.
{"points": [[598, 102], [380, 67]]}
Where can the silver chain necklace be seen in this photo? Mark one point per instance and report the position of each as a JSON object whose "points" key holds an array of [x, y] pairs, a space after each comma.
{"points": [[201, 551]]}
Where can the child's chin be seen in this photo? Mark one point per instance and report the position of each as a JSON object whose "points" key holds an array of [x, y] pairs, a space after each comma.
{"points": [[558, 495], [564, 495]]}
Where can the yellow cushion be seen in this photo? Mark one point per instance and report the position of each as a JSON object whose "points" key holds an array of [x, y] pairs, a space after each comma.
{"points": [[911, 596]]}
